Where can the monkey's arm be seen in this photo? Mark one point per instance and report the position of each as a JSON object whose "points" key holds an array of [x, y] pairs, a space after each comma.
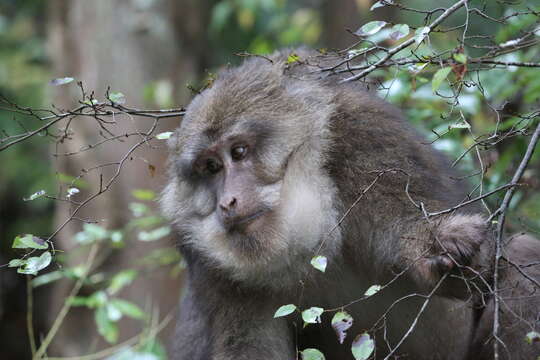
{"points": [[456, 244], [192, 338], [221, 322]]}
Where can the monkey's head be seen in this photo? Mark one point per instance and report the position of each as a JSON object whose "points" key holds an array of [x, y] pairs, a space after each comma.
{"points": [[247, 184]]}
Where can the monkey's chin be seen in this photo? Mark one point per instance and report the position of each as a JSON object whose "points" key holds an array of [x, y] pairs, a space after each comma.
{"points": [[250, 225]]}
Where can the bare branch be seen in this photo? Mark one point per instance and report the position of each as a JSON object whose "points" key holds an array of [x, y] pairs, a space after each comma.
{"points": [[500, 226]]}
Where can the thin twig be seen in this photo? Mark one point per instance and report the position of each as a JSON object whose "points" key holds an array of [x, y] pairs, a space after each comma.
{"points": [[67, 305], [121, 346], [483, 196], [499, 232], [415, 321], [30, 314], [407, 43]]}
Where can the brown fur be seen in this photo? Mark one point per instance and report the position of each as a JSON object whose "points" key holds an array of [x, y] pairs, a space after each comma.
{"points": [[519, 304], [317, 147]]}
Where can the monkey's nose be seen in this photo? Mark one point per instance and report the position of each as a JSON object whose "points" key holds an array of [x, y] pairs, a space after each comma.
{"points": [[228, 204]]}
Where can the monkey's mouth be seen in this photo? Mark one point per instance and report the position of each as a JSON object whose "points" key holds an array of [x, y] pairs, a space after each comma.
{"points": [[242, 223]]}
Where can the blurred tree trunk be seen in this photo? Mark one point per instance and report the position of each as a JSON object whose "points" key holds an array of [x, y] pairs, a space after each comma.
{"points": [[338, 16], [124, 44]]}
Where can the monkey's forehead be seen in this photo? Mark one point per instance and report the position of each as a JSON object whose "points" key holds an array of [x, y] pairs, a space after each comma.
{"points": [[257, 97], [237, 100]]}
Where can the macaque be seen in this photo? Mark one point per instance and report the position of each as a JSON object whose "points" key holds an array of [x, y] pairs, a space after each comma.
{"points": [[275, 164]]}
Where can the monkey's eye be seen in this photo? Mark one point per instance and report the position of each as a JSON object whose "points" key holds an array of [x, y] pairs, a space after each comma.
{"points": [[238, 152], [213, 166]]}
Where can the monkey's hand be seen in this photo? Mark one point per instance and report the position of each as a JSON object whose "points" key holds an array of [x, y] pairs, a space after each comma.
{"points": [[459, 249]]}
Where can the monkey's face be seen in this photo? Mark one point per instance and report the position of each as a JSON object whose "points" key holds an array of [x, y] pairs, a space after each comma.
{"points": [[247, 185], [232, 198]]}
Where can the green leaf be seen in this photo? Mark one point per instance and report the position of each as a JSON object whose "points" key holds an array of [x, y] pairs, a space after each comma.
{"points": [[372, 290], [292, 58], [47, 278], [146, 222], [311, 354], [381, 3], [91, 233], [72, 191], [285, 310], [460, 125], [35, 264], [164, 135], [35, 195], [420, 34], [362, 346], [399, 31], [75, 272], [532, 337], [106, 328], [341, 322], [370, 28], [460, 58], [138, 209], [72, 181], [118, 98], [378, 4], [121, 279], [97, 300], [154, 234], [439, 77], [78, 301], [312, 315], [143, 194], [113, 313], [116, 237], [29, 241], [128, 308], [319, 262], [61, 81], [417, 68], [16, 262]]}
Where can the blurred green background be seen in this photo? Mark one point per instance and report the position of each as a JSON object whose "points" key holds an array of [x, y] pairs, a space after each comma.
{"points": [[155, 51]]}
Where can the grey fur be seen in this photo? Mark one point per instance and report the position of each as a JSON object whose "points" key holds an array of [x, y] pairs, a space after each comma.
{"points": [[317, 146], [519, 304]]}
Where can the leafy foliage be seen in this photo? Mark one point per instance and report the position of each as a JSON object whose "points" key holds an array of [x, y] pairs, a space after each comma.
{"points": [[259, 27]]}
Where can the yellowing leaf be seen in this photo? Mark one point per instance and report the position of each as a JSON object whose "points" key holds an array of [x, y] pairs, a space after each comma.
{"points": [[460, 58], [439, 77], [292, 58]]}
